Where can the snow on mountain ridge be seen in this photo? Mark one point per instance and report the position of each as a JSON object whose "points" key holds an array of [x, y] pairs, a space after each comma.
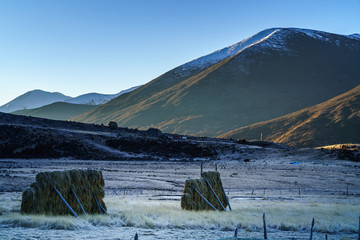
{"points": [[311, 33], [97, 98], [272, 37], [354, 36], [316, 34], [227, 52], [90, 99]]}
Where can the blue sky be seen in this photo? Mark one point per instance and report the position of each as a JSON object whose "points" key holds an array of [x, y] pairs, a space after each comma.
{"points": [[80, 46]]}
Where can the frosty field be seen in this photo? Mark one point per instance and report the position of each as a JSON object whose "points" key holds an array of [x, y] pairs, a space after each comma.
{"points": [[144, 197]]}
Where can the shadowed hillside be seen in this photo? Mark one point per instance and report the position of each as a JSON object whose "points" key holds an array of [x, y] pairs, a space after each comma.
{"points": [[334, 121], [57, 111], [284, 71]]}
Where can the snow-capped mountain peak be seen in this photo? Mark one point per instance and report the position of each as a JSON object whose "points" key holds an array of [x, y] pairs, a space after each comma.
{"points": [[230, 51], [272, 37]]}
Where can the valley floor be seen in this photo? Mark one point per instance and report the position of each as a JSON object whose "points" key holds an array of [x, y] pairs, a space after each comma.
{"points": [[290, 186]]}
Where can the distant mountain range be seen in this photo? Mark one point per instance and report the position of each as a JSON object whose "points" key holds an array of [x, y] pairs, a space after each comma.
{"points": [[38, 98], [275, 72], [332, 122], [97, 98]]}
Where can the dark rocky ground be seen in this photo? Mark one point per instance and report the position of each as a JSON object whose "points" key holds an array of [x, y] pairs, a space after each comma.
{"points": [[30, 137]]}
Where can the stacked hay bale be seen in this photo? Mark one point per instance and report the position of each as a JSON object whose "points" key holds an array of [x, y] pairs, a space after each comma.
{"points": [[191, 200], [41, 198]]}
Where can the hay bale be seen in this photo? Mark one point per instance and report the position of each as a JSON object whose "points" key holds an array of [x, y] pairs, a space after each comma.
{"points": [[191, 200], [41, 198]]}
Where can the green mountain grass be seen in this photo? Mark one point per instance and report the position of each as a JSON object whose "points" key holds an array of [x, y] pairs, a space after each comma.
{"points": [[57, 111]]}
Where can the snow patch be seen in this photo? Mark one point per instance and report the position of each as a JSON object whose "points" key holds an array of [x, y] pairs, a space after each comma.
{"points": [[222, 54], [354, 36], [311, 33], [97, 98]]}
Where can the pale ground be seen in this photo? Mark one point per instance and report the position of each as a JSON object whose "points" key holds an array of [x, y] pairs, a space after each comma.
{"points": [[291, 186], [277, 170]]}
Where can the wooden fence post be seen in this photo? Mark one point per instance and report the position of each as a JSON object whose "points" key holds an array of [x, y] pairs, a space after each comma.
{"points": [[201, 169], [264, 223], [312, 228], [359, 230]]}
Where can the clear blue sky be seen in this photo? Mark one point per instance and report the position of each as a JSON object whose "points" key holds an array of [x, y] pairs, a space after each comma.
{"points": [[81, 46]]}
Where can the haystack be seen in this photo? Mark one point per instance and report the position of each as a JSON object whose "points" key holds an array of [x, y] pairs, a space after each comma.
{"points": [[191, 200], [41, 197]]}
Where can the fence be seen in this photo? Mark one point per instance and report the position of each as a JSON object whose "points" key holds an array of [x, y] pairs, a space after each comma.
{"points": [[237, 192]]}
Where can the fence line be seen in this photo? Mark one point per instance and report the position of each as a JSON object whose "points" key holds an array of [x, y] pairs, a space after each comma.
{"points": [[233, 192]]}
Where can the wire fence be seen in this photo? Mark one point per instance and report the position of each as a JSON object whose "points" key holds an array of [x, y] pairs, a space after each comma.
{"points": [[249, 192]]}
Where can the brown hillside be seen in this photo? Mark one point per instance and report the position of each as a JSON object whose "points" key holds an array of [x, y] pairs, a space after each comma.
{"points": [[284, 73], [334, 121]]}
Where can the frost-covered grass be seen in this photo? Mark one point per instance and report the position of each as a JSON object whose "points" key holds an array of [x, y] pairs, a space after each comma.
{"points": [[247, 214], [285, 218]]}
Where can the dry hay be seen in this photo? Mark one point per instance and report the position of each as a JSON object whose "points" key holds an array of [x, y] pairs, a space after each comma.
{"points": [[191, 200], [41, 198]]}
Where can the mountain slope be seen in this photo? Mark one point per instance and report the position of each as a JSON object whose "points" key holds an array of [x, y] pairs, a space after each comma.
{"points": [[57, 111], [96, 98], [283, 71], [183, 72], [32, 99], [334, 121]]}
